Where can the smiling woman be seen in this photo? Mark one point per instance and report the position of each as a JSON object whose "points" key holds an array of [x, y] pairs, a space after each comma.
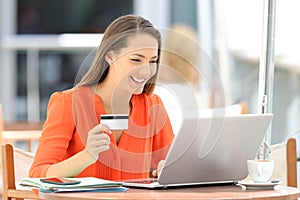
{"points": [[129, 69], [121, 79]]}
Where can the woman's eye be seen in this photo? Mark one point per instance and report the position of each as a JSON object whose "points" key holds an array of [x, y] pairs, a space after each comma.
{"points": [[154, 61], [135, 60]]}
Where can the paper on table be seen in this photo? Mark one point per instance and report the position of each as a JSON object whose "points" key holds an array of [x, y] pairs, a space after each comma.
{"points": [[87, 183], [104, 189]]}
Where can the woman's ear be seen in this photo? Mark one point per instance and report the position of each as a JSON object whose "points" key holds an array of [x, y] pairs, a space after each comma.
{"points": [[109, 57]]}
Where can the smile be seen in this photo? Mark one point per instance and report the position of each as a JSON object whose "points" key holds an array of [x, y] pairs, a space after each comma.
{"points": [[138, 80]]}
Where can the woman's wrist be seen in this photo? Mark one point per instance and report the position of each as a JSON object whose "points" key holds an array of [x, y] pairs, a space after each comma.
{"points": [[90, 159], [62, 169]]}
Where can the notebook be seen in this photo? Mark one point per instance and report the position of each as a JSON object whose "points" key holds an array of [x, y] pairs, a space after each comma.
{"points": [[210, 150]]}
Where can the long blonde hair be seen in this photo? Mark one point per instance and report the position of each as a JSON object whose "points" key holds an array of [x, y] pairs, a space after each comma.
{"points": [[115, 38]]}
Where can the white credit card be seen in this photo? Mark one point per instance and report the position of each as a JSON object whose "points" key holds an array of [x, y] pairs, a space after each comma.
{"points": [[115, 121]]}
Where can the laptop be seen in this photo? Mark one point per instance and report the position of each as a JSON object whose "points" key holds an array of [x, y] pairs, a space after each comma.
{"points": [[210, 150]]}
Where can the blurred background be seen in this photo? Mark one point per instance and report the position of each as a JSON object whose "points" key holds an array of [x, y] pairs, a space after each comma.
{"points": [[43, 43]]}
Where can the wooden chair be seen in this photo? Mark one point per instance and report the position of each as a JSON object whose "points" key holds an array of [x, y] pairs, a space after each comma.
{"points": [[237, 108], [285, 158], [9, 156], [292, 162], [1, 125], [20, 131], [244, 107]]}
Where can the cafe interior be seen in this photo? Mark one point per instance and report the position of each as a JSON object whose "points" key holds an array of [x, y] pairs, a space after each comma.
{"points": [[240, 56]]}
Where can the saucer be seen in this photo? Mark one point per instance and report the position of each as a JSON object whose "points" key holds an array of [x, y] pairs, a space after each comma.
{"points": [[259, 186]]}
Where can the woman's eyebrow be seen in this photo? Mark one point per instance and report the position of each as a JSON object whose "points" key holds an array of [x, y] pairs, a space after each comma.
{"points": [[142, 56], [139, 55]]}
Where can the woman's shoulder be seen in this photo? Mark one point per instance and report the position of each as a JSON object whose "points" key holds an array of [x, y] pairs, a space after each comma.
{"points": [[69, 94], [62, 94], [72, 91]]}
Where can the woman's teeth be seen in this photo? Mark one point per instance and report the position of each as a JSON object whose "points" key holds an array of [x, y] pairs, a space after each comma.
{"points": [[138, 80]]}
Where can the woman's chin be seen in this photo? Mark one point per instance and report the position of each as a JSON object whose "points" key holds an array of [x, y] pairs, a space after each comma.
{"points": [[138, 90]]}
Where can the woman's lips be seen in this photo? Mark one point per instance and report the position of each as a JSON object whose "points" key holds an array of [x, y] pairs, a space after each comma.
{"points": [[138, 80]]}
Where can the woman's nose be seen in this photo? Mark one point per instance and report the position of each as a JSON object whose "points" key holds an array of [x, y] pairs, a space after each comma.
{"points": [[148, 69]]}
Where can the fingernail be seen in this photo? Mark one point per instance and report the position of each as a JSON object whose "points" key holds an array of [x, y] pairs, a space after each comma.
{"points": [[107, 132]]}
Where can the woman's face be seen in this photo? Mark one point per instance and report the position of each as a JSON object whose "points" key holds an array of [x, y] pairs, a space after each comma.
{"points": [[134, 65]]}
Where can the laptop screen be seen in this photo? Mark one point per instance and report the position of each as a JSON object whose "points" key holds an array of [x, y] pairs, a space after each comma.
{"points": [[214, 149]]}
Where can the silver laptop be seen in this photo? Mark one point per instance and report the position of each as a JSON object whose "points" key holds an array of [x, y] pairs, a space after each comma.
{"points": [[210, 150]]}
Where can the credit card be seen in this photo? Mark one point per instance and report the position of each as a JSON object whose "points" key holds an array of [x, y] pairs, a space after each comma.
{"points": [[115, 121]]}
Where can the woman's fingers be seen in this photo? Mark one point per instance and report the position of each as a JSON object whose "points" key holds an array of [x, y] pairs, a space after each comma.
{"points": [[154, 173], [99, 136], [98, 139], [160, 165], [100, 128]]}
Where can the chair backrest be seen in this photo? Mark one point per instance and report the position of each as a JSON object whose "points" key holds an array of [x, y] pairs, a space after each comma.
{"points": [[285, 158], [292, 162], [238, 108], [19, 131], [1, 125], [14, 160]]}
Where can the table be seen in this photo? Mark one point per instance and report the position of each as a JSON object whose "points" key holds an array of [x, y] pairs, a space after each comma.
{"points": [[210, 192]]}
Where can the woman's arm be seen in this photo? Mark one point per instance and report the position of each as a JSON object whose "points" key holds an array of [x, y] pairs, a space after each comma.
{"points": [[163, 136], [71, 166], [97, 142], [61, 151]]}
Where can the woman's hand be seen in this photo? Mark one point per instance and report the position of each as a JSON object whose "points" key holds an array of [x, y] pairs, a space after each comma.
{"points": [[160, 165], [98, 140]]}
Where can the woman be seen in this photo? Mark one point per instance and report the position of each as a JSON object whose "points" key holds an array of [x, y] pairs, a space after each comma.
{"points": [[120, 81]]}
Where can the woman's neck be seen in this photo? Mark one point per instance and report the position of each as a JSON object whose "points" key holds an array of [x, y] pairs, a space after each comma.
{"points": [[114, 101]]}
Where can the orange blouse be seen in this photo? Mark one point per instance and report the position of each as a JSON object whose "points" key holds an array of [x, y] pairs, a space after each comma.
{"points": [[72, 113]]}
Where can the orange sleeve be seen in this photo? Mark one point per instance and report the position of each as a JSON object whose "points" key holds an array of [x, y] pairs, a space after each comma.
{"points": [[164, 134], [58, 130]]}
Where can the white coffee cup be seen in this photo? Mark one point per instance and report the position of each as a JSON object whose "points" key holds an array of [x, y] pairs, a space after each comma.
{"points": [[260, 170]]}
